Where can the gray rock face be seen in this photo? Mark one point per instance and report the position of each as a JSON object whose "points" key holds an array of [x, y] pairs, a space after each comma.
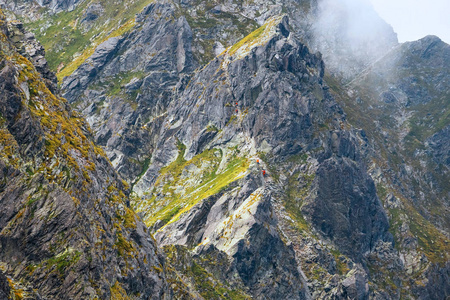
{"points": [[4, 286], [440, 146], [28, 46], [76, 84], [143, 68], [345, 207]]}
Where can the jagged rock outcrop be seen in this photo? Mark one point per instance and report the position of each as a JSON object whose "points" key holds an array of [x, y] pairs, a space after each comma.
{"points": [[65, 227], [141, 68], [265, 98]]}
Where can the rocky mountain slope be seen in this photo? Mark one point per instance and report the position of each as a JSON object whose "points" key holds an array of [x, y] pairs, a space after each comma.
{"points": [[207, 28], [212, 194], [406, 94], [287, 119], [66, 229], [242, 148]]}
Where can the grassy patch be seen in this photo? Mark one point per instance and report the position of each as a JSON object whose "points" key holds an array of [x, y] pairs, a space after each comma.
{"points": [[69, 44], [210, 181], [64, 260], [296, 191], [248, 39], [195, 270], [212, 128]]}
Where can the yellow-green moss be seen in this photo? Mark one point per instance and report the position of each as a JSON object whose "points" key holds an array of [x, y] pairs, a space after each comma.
{"points": [[128, 219], [248, 39], [118, 293], [63, 133], [16, 292], [9, 149], [123, 246]]}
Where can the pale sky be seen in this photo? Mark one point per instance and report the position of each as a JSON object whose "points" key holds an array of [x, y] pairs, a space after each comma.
{"points": [[414, 19]]}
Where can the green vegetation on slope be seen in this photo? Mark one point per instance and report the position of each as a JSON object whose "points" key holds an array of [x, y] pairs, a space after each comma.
{"points": [[394, 149], [69, 43], [64, 134], [204, 282], [199, 178]]}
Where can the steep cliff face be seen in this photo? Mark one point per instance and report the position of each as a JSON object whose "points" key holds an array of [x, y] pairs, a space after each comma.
{"points": [[131, 79], [65, 227]]}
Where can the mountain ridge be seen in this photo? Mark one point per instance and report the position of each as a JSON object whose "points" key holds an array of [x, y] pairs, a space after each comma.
{"points": [[261, 173]]}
